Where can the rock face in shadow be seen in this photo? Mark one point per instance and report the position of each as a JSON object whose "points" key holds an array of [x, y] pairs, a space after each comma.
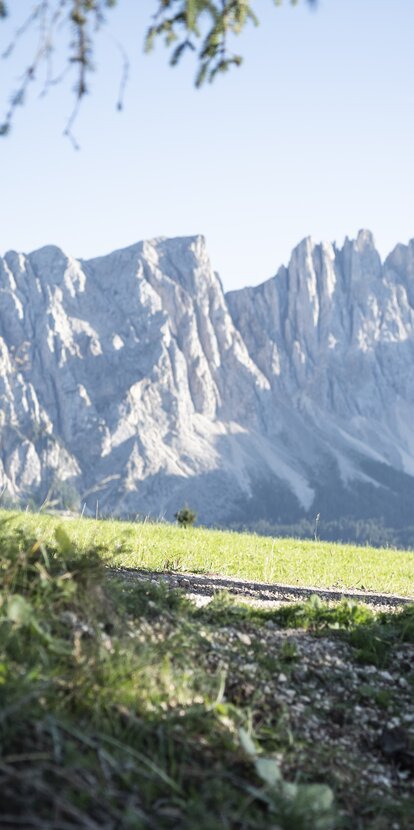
{"points": [[134, 379]]}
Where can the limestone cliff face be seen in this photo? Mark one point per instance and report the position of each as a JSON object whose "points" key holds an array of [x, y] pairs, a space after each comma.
{"points": [[334, 336], [135, 379]]}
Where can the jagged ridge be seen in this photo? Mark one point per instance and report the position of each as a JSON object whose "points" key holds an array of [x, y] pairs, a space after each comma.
{"points": [[133, 377]]}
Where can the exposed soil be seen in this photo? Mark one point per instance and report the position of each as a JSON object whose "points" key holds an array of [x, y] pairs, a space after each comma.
{"points": [[201, 588]]}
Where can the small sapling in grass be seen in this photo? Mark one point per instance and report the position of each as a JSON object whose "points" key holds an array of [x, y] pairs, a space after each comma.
{"points": [[185, 517]]}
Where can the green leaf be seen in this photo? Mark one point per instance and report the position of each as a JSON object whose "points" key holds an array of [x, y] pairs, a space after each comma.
{"points": [[247, 743], [289, 790], [201, 75], [64, 544], [315, 602], [268, 770], [319, 797], [191, 12], [18, 610], [149, 39]]}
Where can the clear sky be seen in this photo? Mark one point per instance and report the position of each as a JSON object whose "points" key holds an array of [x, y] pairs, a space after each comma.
{"points": [[313, 135]]}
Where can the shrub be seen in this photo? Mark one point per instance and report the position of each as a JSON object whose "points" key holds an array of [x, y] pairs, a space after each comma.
{"points": [[185, 517]]}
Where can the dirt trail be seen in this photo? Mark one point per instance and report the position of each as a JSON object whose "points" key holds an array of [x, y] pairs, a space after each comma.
{"points": [[202, 587]]}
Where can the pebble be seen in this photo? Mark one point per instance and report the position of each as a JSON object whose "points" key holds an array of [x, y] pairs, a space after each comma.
{"points": [[244, 638]]}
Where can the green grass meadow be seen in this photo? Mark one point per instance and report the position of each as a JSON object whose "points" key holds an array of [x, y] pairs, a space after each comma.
{"points": [[247, 556]]}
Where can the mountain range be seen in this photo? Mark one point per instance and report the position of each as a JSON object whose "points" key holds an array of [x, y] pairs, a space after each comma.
{"points": [[133, 380]]}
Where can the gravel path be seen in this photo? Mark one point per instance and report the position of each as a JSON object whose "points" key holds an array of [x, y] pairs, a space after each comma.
{"points": [[201, 588]]}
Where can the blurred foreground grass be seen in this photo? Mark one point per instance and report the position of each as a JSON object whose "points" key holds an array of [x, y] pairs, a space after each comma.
{"points": [[124, 706]]}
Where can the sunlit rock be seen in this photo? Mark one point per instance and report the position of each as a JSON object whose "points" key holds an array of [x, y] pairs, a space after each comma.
{"points": [[133, 378]]}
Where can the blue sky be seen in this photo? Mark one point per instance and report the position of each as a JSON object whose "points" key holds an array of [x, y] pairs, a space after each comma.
{"points": [[313, 135]]}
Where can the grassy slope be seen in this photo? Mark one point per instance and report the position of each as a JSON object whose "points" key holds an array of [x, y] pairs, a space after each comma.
{"points": [[290, 561], [124, 706]]}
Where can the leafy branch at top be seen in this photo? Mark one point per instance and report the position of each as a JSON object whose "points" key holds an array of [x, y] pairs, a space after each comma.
{"points": [[80, 20], [203, 27], [183, 24]]}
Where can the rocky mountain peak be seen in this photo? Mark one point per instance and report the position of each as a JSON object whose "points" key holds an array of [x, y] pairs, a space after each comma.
{"points": [[133, 379]]}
